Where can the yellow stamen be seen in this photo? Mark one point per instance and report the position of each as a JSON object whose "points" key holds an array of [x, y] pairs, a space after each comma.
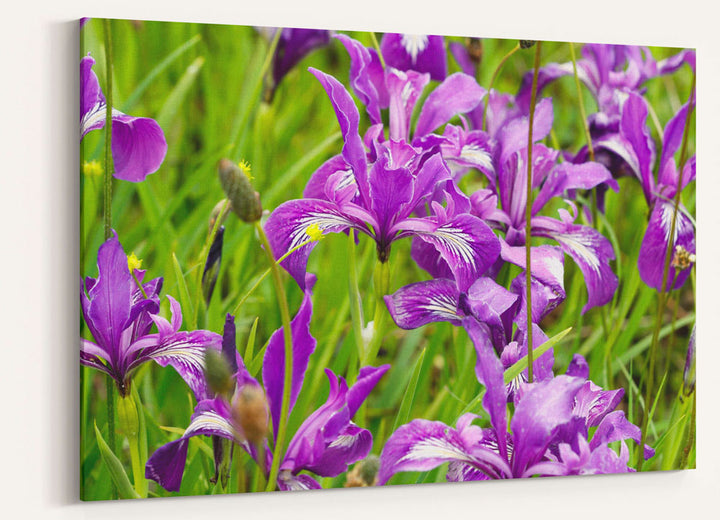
{"points": [[246, 169], [92, 168], [314, 232], [133, 262]]}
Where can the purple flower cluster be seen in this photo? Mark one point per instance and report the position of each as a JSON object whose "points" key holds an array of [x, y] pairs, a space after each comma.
{"points": [[397, 180]]}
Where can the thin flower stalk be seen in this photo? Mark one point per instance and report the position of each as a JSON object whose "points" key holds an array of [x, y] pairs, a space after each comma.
{"points": [[494, 77], [107, 208], [663, 296], [287, 378], [528, 214]]}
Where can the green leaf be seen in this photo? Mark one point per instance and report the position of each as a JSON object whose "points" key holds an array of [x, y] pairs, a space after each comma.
{"points": [[117, 472], [177, 97], [514, 371], [184, 294], [157, 70], [406, 404], [250, 346]]}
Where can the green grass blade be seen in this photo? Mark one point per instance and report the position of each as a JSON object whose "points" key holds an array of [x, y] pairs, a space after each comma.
{"points": [[176, 98], [521, 364], [117, 472], [407, 401], [157, 70], [184, 294]]}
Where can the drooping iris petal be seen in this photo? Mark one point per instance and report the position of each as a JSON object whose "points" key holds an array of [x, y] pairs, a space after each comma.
{"points": [[303, 344], [138, 146], [138, 143], [420, 303], [465, 242], [591, 251], [287, 226], [422, 445], [457, 94], [421, 53], [166, 465], [651, 262]]}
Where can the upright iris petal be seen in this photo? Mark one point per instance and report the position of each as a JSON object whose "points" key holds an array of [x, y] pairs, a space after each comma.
{"points": [[138, 143]]}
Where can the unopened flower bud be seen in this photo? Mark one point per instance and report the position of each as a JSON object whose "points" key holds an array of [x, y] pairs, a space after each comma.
{"points": [[475, 50], [244, 199], [526, 44], [212, 265], [364, 473], [221, 210], [689, 371], [217, 372], [250, 412]]}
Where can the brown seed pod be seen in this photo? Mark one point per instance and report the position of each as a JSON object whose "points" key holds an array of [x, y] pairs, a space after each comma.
{"points": [[244, 199], [250, 412]]}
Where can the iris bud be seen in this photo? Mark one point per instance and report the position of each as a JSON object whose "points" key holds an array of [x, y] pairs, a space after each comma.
{"points": [[217, 372], [244, 199], [364, 473], [250, 412], [526, 44]]}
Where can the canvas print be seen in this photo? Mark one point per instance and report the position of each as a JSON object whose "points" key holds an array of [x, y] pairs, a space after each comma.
{"points": [[316, 259]]}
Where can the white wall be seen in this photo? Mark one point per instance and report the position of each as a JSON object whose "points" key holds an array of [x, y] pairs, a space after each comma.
{"points": [[39, 205]]}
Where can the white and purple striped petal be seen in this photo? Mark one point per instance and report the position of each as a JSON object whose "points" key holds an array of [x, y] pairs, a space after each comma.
{"points": [[166, 465], [418, 52]]}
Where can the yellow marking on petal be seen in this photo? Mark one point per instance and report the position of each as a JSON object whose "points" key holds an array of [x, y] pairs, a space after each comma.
{"points": [[134, 262], [92, 168], [314, 232]]}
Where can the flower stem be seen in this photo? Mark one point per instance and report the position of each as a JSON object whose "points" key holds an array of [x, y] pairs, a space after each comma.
{"points": [[528, 213], [266, 273], [492, 82], [235, 143], [287, 337], [377, 48], [662, 297], [107, 205], [356, 311], [128, 413], [382, 285]]}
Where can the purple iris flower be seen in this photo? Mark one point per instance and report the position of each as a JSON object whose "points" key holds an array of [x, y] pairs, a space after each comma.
{"points": [[379, 197], [418, 52], [549, 430], [325, 443], [501, 312], [293, 46], [609, 72], [590, 250], [120, 318], [138, 143], [636, 147]]}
